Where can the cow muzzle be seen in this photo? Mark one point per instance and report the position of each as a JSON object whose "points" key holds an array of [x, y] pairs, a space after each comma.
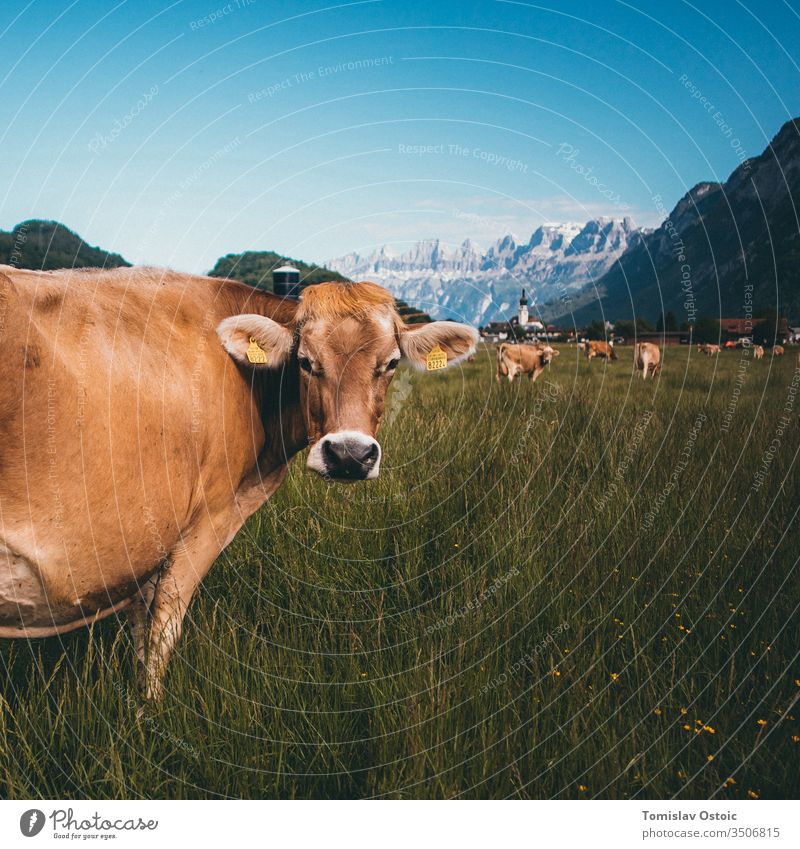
{"points": [[346, 455]]}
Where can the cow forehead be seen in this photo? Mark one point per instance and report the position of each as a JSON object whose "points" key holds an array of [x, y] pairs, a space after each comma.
{"points": [[348, 335]]}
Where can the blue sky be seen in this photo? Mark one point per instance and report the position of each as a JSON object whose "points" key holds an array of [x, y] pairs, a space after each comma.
{"points": [[176, 133]]}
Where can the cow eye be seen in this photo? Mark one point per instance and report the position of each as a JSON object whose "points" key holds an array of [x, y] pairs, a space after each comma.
{"points": [[392, 365], [305, 364]]}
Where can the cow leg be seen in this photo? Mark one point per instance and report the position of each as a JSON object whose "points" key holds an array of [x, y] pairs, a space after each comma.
{"points": [[138, 612], [187, 567]]}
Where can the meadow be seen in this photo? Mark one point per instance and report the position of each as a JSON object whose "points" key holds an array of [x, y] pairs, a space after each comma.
{"points": [[583, 587]]}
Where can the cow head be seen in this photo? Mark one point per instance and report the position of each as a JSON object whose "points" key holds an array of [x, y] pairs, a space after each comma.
{"points": [[548, 353], [343, 343]]}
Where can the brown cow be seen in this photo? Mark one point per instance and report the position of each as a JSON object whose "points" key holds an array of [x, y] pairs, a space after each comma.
{"points": [[708, 349], [145, 414], [604, 350], [647, 359], [523, 359], [758, 352], [778, 350]]}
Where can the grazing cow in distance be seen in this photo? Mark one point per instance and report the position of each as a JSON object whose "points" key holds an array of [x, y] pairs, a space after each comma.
{"points": [[647, 359], [778, 350], [758, 352], [146, 414], [523, 359], [604, 350], [708, 349]]}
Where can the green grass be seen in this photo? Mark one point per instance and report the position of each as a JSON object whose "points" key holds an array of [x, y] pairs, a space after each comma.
{"points": [[366, 641]]}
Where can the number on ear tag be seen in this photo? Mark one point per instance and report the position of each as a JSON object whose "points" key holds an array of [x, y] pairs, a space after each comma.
{"points": [[436, 359], [255, 353]]}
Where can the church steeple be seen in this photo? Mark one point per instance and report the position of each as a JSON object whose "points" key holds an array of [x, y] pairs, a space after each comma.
{"points": [[523, 310]]}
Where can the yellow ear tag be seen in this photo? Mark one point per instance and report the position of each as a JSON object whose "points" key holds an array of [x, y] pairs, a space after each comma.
{"points": [[436, 359], [255, 353]]}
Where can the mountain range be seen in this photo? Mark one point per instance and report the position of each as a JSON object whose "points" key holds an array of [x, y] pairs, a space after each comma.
{"points": [[464, 282], [726, 249], [47, 245]]}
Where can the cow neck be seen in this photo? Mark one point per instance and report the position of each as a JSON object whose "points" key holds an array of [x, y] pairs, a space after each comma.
{"points": [[277, 391]]}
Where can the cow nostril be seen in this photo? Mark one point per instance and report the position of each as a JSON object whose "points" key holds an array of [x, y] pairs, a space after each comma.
{"points": [[329, 451], [371, 454]]}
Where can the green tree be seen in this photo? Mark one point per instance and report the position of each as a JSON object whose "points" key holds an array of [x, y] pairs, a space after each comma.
{"points": [[255, 268], [766, 331], [667, 323], [625, 328], [706, 329], [596, 330]]}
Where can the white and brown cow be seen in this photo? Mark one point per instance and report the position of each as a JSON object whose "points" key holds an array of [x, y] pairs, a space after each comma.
{"points": [[145, 414], [758, 352], [708, 349], [647, 359], [523, 359]]}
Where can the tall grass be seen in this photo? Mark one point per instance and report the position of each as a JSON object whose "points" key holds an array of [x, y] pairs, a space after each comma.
{"points": [[566, 589]]}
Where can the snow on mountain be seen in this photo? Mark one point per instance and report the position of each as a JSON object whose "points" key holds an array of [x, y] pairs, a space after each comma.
{"points": [[463, 282], [430, 256]]}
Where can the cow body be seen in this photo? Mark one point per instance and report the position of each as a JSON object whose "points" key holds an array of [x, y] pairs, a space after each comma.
{"points": [[523, 359], [603, 350], [758, 352], [102, 435], [708, 349], [778, 350], [647, 358], [137, 437]]}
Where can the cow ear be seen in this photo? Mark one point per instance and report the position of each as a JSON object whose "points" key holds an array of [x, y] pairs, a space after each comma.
{"points": [[458, 341], [256, 341]]}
